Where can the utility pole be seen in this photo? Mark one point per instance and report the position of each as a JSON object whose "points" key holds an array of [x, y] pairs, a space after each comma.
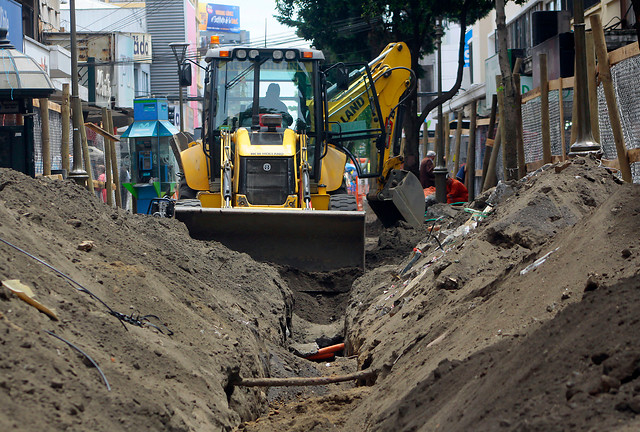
{"points": [[78, 174], [179, 51], [440, 171], [584, 137]]}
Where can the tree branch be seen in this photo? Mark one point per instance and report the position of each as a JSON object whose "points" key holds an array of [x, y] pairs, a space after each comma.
{"points": [[452, 92], [271, 382]]}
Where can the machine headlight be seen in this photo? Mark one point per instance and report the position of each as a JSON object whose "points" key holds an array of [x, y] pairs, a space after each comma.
{"points": [[290, 55], [241, 54]]}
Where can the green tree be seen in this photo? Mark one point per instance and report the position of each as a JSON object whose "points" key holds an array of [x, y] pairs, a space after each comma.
{"points": [[379, 22]]}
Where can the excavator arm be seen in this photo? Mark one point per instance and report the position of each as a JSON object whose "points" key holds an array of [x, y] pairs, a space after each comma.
{"points": [[363, 122]]}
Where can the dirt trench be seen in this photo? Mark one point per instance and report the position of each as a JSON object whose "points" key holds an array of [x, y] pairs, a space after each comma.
{"points": [[523, 320]]}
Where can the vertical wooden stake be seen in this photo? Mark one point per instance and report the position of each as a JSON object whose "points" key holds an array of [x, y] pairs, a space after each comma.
{"points": [[108, 184], [85, 145], [447, 141], [544, 110], [425, 139], [500, 91], [471, 153], [66, 128], [491, 135], [491, 180], [456, 154], [609, 92], [114, 162], [563, 138], [593, 85], [522, 166], [46, 143]]}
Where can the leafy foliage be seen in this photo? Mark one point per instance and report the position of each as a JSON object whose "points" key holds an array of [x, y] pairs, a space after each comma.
{"points": [[359, 30]]}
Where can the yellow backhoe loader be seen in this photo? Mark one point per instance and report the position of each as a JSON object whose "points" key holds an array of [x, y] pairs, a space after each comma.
{"points": [[278, 128]]}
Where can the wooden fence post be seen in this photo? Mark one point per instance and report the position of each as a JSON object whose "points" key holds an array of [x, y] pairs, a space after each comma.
{"points": [[544, 110], [609, 92], [471, 152], [447, 141], [456, 155], [492, 177], [563, 138], [46, 143], [85, 145], [522, 166], [108, 184], [114, 162], [491, 136]]}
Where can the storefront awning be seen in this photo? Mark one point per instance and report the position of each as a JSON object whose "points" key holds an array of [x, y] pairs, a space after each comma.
{"points": [[153, 128], [20, 76]]}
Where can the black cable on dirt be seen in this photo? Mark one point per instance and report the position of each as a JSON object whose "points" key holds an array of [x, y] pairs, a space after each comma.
{"points": [[80, 287], [104, 378]]}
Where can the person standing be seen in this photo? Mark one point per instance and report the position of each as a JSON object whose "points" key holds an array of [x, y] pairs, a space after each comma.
{"points": [[102, 177], [427, 177]]}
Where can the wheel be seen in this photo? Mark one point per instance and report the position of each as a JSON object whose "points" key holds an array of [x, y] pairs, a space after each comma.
{"points": [[184, 191], [344, 202]]}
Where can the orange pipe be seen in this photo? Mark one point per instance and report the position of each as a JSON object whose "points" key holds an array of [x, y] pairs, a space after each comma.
{"points": [[326, 352], [323, 356]]}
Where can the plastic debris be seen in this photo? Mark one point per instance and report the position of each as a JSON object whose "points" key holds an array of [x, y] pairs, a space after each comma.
{"points": [[537, 262]]}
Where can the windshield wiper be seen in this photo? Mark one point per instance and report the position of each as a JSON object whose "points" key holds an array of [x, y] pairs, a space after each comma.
{"points": [[242, 75]]}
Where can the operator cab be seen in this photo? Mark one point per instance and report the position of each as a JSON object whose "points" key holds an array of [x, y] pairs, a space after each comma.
{"points": [[266, 91]]}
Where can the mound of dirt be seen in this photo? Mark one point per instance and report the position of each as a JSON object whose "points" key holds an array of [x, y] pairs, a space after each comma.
{"points": [[225, 310], [559, 233], [524, 319]]}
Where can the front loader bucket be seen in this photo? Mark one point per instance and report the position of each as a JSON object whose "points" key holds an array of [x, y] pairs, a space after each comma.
{"points": [[401, 199], [310, 240]]}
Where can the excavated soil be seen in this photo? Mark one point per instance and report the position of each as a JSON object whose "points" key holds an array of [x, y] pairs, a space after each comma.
{"points": [[524, 319], [526, 322]]}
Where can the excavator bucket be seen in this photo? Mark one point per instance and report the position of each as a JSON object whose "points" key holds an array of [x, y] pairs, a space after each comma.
{"points": [[401, 199], [310, 240]]}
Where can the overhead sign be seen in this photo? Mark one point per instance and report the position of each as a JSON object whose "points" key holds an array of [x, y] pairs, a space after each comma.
{"points": [[11, 19], [141, 47], [467, 51], [216, 17]]}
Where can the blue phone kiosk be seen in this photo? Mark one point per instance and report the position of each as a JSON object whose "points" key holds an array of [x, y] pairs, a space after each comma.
{"points": [[153, 167]]}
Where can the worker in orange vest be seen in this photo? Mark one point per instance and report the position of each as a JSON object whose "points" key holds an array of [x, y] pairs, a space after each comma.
{"points": [[456, 191]]}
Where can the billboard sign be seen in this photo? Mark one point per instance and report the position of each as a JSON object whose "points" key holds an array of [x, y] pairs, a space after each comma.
{"points": [[216, 17], [142, 51], [11, 19], [467, 49]]}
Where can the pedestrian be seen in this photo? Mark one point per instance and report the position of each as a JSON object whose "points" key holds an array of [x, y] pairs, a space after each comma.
{"points": [[461, 172], [427, 177], [102, 177]]}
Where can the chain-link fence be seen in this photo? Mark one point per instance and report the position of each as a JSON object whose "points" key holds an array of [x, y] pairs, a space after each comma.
{"points": [[96, 151], [627, 93]]}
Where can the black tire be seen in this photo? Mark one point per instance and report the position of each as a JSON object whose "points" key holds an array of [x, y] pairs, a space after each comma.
{"points": [[184, 191], [343, 202]]}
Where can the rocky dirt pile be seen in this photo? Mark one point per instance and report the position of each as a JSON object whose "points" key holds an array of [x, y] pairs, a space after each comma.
{"points": [[228, 314], [525, 322]]}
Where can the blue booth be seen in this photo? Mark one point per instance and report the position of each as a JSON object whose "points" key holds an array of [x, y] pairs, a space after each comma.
{"points": [[153, 164]]}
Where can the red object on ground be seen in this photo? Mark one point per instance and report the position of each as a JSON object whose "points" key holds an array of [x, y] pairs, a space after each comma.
{"points": [[325, 356], [429, 191], [326, 352]]}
